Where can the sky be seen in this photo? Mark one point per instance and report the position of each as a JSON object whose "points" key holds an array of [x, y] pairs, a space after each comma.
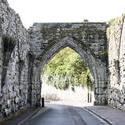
{"points": [[36, 11]]}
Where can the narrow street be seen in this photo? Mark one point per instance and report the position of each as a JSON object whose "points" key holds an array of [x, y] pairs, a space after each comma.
{"points": [[64, 115]]}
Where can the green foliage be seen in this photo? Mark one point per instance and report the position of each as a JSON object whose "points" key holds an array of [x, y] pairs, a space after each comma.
{"points": [[114, 21], [8, 45], [66, 69]]}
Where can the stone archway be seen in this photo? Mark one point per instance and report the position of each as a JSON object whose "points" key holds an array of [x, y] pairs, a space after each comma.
{"points": [[89, 40], [85, 54]]}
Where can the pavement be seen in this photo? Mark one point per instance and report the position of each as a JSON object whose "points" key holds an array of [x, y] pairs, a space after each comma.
{"points": [[108, 114], [70, 115], [20, 119]]}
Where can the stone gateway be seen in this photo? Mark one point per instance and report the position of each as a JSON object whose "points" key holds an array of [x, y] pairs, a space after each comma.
{"points": [[89, 40], [23, 54]]}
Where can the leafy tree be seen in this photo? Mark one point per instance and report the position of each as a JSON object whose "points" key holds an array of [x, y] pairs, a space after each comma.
{"points": [[67, 68]]}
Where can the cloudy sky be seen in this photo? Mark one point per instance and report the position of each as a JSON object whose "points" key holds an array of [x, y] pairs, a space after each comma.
{"points": [[32, 11]]}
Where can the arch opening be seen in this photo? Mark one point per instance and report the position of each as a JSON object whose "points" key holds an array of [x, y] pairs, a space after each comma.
{"points": [[96, 67], [67, 79], [79, 48]]}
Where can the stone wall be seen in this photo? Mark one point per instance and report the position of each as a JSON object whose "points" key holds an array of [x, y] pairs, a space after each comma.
{"points": [[116, 89], [23, 55], [14, 49]]}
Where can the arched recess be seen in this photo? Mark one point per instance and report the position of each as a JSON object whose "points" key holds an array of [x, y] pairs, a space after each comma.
{"points": [[97, 69]]}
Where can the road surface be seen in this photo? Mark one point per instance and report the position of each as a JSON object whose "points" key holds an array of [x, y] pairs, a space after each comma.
{"points": [[64, 115]]}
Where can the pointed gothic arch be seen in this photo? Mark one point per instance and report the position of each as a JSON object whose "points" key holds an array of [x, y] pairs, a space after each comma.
{"points": [[89, 44]]}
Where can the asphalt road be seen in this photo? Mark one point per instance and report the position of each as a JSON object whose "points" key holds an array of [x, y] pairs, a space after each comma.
{"points": [[64, 115]]}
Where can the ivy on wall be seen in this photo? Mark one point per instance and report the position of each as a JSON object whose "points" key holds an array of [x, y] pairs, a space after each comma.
{"points": [[8, 44]]}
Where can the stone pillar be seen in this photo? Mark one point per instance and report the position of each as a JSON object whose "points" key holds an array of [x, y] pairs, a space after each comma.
{"points": [[101, 86], [36, 85]]}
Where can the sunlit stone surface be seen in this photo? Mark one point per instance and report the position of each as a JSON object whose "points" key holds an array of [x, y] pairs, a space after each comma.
{"points": [[23, 55]]}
